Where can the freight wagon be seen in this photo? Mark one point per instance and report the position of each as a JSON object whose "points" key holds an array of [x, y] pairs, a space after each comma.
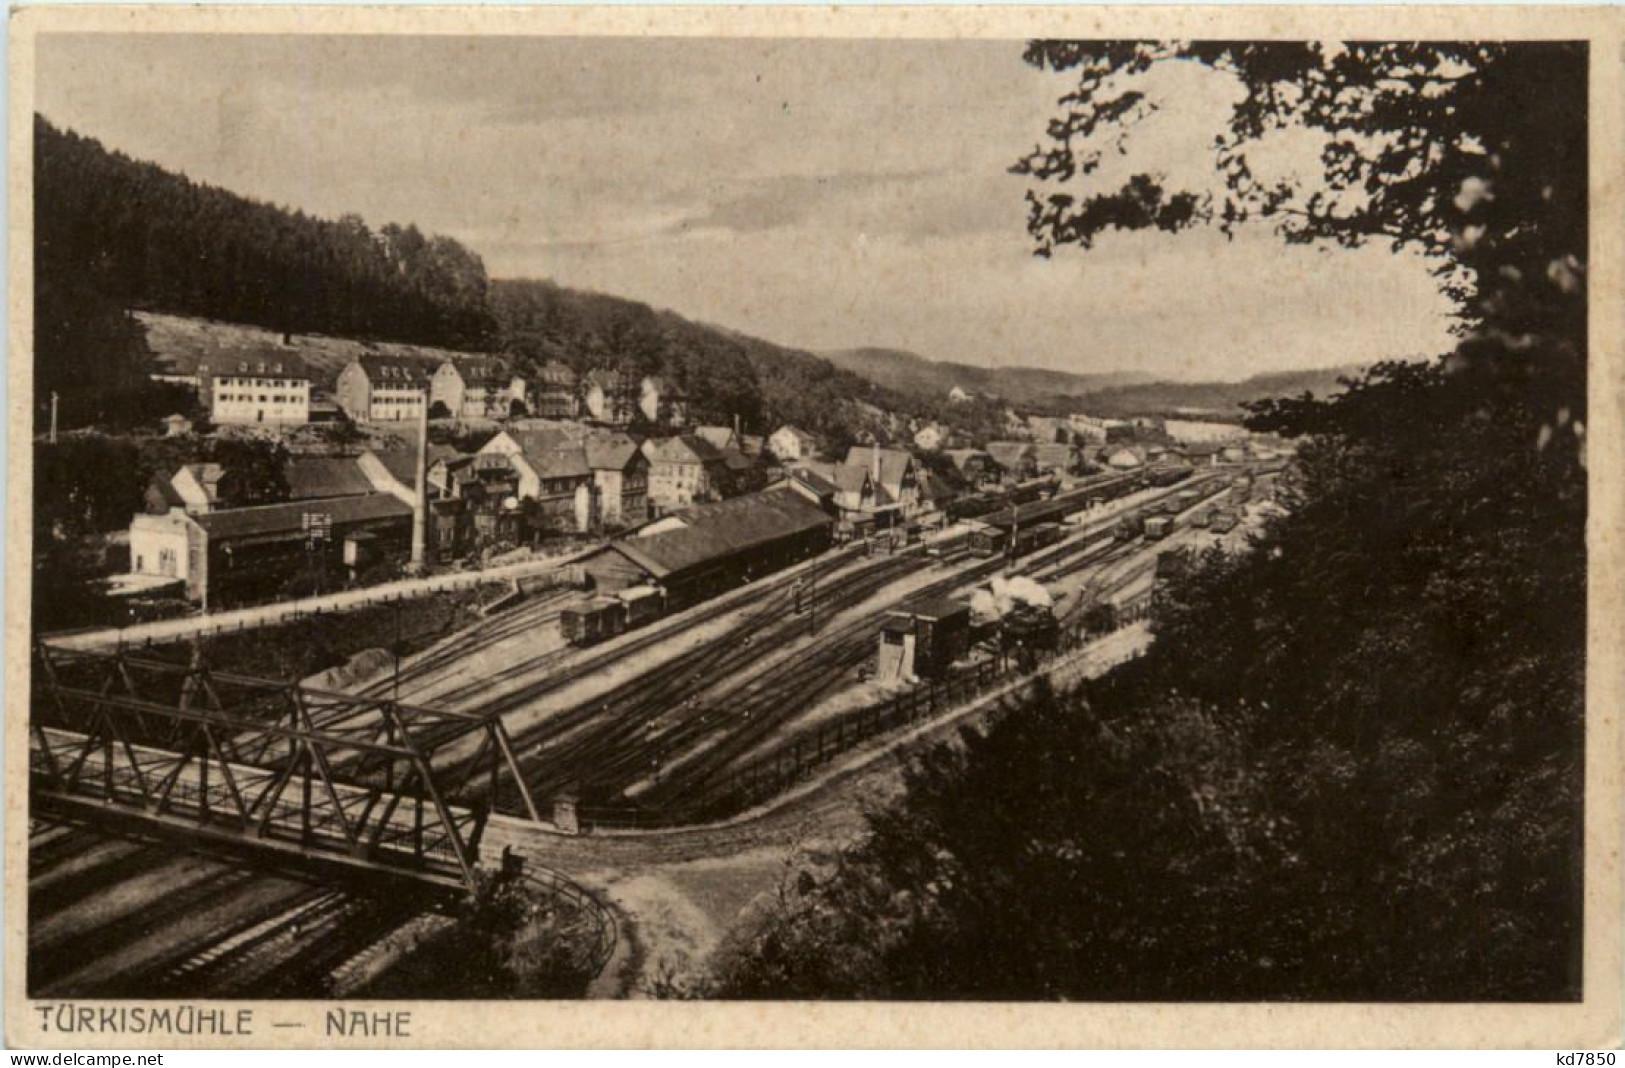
{"points": [[602, 618], [644, 604], [596, 620], [1157, 527], [1224, 522]]}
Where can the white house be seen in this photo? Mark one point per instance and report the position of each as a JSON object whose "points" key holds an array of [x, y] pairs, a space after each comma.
{"points": [[475, 387], [263, 389], [929, 437], [385, 389], [791, 443], [169, 546]]}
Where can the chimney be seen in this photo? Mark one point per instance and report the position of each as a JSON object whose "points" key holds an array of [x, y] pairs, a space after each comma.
{"points": [[420, 496]]}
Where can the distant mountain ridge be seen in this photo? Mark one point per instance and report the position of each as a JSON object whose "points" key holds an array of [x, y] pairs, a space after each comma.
{"points": [[910, 372], [1110, 393], [1209, 399]]}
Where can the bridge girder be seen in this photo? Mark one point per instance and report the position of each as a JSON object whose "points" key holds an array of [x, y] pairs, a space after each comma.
{"points": [[227, 751]]}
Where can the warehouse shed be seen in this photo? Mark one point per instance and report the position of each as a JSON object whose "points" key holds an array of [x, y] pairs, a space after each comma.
{"points": [[716, 548]]}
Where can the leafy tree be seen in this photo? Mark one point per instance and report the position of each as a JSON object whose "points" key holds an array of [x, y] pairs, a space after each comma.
{"points": [[1357, 750]]}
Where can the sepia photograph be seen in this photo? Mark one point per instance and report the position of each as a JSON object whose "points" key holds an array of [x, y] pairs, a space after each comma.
{"points": [[823, 517]]}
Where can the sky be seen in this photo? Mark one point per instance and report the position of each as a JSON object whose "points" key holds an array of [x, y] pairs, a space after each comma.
{"points": [[821, 194]]}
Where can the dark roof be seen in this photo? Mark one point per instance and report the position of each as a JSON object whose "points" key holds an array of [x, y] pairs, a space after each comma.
{"points": [[267, 359], [684, 449], [737, 461], [843, 477], [165, 490], [288, 518], [445, 452], [938, 608], [556, 373], [398, 370], [539, 440], [321, 476], [935, 487], [813, 481], [401, 463], [724, 530], [610, 453], [483, 370], [570, 462]]}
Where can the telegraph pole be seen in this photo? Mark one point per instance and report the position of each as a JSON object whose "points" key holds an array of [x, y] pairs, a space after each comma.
{"points": [[53, 416]]}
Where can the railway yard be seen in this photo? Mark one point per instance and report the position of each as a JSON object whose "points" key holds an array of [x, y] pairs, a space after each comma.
{"points": [[632, 748]]}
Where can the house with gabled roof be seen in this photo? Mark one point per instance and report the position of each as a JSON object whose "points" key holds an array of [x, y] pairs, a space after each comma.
{"points": [[723, 437], [610, 396], [620, 474], [897, 471], [791, 443], [975, 466], [385, 389], [684, 470], [660, 400], [551, 469], [557, 392], [474, 387], [1015, 458], [262, 385]]}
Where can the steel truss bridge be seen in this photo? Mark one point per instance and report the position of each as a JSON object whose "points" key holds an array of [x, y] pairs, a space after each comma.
{"points": [[277, 766]]}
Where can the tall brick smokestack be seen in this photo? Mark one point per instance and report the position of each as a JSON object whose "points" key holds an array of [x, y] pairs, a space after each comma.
{"points": [[420, 496]]}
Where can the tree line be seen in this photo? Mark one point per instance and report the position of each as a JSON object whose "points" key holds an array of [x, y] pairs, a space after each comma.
{"points": [[113, 233]]}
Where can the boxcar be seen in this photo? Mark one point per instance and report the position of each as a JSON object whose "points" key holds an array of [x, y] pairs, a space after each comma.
{"points": [[595, 621], [643, 604], [987, 540], [1035, 537], [1157, 527]]}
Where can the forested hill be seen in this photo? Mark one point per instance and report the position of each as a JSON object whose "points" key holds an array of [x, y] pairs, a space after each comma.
{"points": [[116, 234], [147, 237], [724, 373], [912, 373]]}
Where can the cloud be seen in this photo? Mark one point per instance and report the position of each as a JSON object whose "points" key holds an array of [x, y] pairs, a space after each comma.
{"points": [[787, 200]]}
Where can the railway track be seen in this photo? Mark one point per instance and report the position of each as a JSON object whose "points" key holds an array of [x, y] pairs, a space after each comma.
{"points": [[114, 916], [609, 745], [570, 747]]}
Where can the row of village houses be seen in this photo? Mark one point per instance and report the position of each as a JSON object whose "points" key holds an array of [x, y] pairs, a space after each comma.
{"points": [[198, 534], [274, 387]]}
